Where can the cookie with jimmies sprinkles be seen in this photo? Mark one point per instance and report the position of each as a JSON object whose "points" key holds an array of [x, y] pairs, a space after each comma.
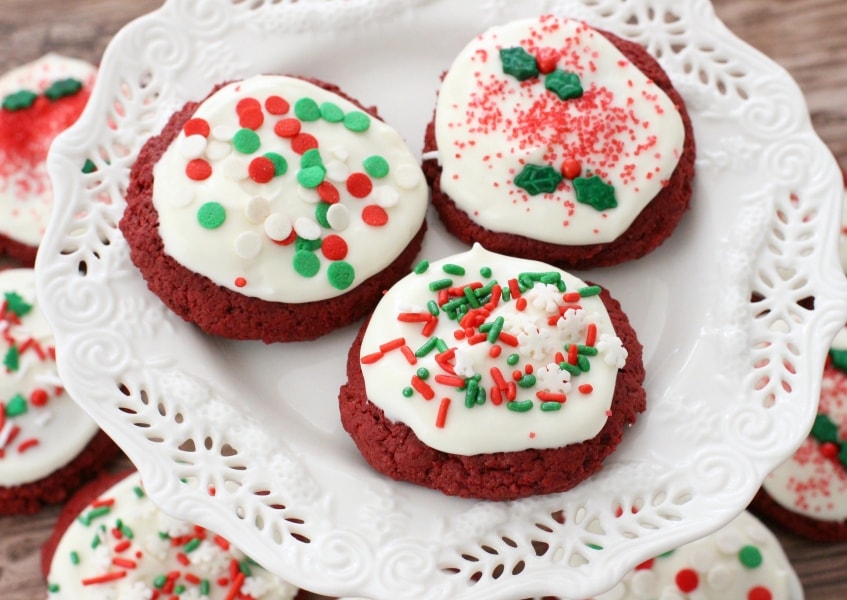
{"points": [[278, 208], [558, 142], [39, 100], [492, 377], [112, 542], [48, 446]]}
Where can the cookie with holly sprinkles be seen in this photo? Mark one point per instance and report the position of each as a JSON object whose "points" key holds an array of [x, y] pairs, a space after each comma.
{"points": [[48, 446], [278, 208], [112, 542], [488, 376], [554, 141], [39, 100]]}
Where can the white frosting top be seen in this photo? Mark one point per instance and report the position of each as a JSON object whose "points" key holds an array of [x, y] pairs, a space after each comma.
{"points": [[41, 427], [503, 376], [281, 190], [843, 239], [813, 482], [742, 560], [26, 196], [490, 127], [122, 547]]}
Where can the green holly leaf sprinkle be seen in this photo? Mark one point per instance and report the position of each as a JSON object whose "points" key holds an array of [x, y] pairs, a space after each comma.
{"points": [[16, 304], [595, 192], [538, 179], [564, 84], [518, 63], [16, 406], [12, 359], [63, 87], [839, 359], [19, 100], [824, 429]]}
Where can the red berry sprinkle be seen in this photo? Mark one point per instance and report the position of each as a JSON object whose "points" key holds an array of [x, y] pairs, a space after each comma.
{"points": [[571, 168], [240, 282], [759, 593], [287, 128], [374, 215], [276, 105], [359, 185], [251, 119], [198, 169], [197, 127], [687, 580], [302, 142], [261, 169], [829, 450], [38, 397], [546, 58], [328, 192], [334, 247]]}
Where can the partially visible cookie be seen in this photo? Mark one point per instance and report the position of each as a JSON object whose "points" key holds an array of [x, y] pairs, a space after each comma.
{"points": [[39, 100], [111, 541], [48, 446]]}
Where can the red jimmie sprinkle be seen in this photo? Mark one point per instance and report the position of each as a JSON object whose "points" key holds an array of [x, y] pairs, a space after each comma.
{"points": [[261, 169], [374, 215], [441, 418], [287, 128], [276, 105], [359, 185], [197, 127], [198, 169], [334, 247]]}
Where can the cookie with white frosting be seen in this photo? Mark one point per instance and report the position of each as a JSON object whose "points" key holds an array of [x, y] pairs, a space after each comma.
{"points": [[488, 376], [278, 208], [112, 542], [555, 141], [49, 447], [39, 100]]}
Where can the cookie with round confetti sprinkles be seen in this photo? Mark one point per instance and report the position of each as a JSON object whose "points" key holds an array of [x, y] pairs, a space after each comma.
{"points": [[554, 141], [487, 376], [39, 100], [48, 446], [278, 208], [111, 541]]}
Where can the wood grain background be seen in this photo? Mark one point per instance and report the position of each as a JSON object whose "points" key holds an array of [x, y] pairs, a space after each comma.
{"points": [[807, 37]]}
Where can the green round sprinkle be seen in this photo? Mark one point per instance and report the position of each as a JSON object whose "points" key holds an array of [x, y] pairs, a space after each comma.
{"points": [[408, 392], [19, 100], [564, 84], [307, 109], [321, 211], [62, 88], [311, 158], [331, 112], [512, 359], [485, 272], [750, 557], [518, 63], [376, 166], [211, 215], [279, 162], [341, 274], [308, 245], [423, 372], [824, 429], [53, 588], [311, 177], [246, 141], [594, 192], [306, 263], [538, 179], [357, 121]]}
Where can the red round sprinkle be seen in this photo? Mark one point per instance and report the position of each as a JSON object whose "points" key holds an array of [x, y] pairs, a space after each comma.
{"points": [[261, 169], [287, 128], [571, 168], [289, 240], [38, 397], [546, 58], [374, 215], [276, 105], [240, 282], [687, 580], [302, 142], [247, 104], [759, 593], [197, 127], [251, 119], [829, 449], [198, 169], [334, 247], [359, 185], [328, 192]]}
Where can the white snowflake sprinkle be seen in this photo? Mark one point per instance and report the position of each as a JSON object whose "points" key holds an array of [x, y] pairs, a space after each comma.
{"points": [[553, 379], [546, 297], [611, 347]]}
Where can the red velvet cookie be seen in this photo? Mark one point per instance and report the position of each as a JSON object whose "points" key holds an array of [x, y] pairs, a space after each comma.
{"points": [[557, 142], [39, 100], [276, 209], [490, 377]]}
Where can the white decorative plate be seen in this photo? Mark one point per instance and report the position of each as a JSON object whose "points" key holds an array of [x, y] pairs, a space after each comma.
{"points": [[244, 438]]}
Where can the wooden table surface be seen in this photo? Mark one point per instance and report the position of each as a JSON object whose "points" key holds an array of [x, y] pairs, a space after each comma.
{"points": [[807, 37]]}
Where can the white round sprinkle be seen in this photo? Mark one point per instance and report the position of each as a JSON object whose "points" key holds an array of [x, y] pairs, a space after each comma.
{"points": [[702, 559], [306, 228], [407, 176], [192, 146], [218, 150], [308, 196], [643, 582], [278, 226], [257, 209], [336, 171], [182, 200], [720, 578], [338, 217], [339, 152], [224, 133], [248, 244], [670, 593], [387, 196], [235, 168], [728, 542]]}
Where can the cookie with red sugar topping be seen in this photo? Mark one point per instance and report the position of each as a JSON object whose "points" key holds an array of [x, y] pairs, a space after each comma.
{"points": [[487, 376], [39, 100], [48, 446], [278, 208], [554, 141], [111, 541]]}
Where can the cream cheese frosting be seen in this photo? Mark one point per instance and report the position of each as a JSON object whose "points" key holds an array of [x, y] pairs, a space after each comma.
{"points": [[281, 190], [41, 427], [26, 131], [546, 130], [481, 352], [121, 547]]}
